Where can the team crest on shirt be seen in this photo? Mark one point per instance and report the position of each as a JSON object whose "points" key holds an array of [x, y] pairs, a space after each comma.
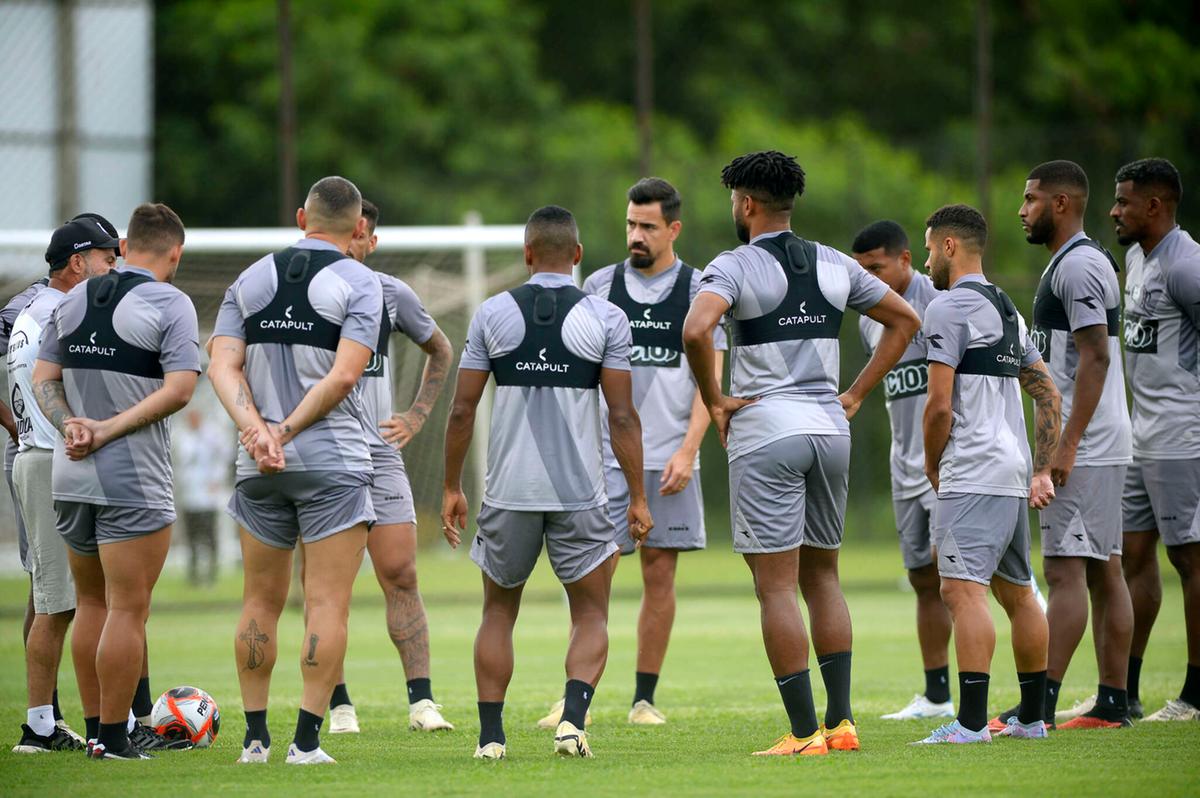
{"points": [[1141, 335]]}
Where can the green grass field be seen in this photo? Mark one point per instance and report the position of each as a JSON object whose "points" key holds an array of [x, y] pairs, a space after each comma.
{"points": [[716, 690]]}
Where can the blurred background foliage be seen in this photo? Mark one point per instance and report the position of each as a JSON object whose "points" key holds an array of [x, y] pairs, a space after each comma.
{"points": [[501, 106]]}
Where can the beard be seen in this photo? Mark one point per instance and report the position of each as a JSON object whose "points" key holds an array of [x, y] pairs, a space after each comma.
{"points": [[641, 259], [939, 272], [1041, 229], [742, 230], [1124, 237]]}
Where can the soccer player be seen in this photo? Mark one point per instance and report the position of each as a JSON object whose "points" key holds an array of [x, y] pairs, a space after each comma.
{"points": [[292, 338], [1162, 489], [655, 289], [977, 459], [119, 354], [882, 249], [1076, 326], [553, 349], [786, 427], [392, 543], [78, 250]]}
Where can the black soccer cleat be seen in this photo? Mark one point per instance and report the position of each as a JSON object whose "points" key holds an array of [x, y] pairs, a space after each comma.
{"points": [[98, 751], [34, 743], [1135, 709], [147, 739]]}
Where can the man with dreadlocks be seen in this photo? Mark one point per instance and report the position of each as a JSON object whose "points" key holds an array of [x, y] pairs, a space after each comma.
{"points": [[786, 428]]}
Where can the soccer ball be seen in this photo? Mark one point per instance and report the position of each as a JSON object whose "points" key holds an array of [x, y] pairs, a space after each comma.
{"points": [[187, 713]]}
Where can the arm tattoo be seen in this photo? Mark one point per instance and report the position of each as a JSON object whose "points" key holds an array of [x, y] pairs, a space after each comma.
{"points": [[1047, 414], [51, 397], [242, 399], [433, 379]]}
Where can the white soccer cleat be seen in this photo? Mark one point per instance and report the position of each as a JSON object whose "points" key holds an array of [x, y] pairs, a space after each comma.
{"points": [[554, 717], [1176, 709], [74, 735], [343, 719], [921, 707], [255, 754], [427, 716], [491, 751], [1079, 708], [571, 741], [314, 757], [644, 713]]}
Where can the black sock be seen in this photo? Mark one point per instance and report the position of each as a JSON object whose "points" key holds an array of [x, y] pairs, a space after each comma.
{"points": [[54, 702], [1191, 686], [419, 690], [937, 684], [1053, 688], [256, 728], [1034, 690], [576, 700], [113, 736], [973, 695], [835, 672], [91, 727], [143, 705], [491, 723], [796, 691], [644, 690], [1135, 673], [1111, 704], [340, 696], [308, 731]]}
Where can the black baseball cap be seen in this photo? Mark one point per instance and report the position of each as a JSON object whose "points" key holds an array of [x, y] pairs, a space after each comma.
{"points": [[105, 224], [78, 235]]}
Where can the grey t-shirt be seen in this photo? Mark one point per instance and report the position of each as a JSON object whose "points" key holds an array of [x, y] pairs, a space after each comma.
{"points": [[135, 470], [1162, 347], [904, 390], [345, 293], [544, 450], [1087, 286], [34, 429], [796, 381], [406, 315], [663, 395], [987, 452], [8, 315]]}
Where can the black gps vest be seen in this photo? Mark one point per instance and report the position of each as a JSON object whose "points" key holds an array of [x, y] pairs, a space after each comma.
{"points": [[375, 367], [94, 344], [657, 328], [804, 313], [542, 360], [1048, 310], [290, 317], [1003, 358]]}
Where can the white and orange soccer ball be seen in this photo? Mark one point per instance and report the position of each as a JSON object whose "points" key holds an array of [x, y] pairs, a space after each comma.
{"points": [[187, 713]]}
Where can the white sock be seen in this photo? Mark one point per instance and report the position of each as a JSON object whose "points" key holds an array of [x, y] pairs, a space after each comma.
{"points": [[129, 724], [41, 720]]}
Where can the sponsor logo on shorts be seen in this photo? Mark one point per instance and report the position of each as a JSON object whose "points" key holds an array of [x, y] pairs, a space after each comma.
{"points": [[1141, 335], [542, 364], [801, 318]]}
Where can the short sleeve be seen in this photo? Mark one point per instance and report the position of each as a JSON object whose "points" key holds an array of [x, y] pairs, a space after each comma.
{"points": [[1080, 286], [230, 321], [51, 349], [946, 332], [1183, 286], [475, 352], [179, 347], [866, 290], [724, 277], [364, 308], [618, 340], [8, 317], [410, 315], [720, 337]]}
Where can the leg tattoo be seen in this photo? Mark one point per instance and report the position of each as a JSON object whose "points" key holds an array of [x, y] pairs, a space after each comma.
{"points": [[254, 640], [409, 631]]}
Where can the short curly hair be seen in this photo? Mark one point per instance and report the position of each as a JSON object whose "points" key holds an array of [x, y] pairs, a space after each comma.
{"points": [[771, 177]]}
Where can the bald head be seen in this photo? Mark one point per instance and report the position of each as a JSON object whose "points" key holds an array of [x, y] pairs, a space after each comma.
{"points": [[333, 206], [551, 238]]}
